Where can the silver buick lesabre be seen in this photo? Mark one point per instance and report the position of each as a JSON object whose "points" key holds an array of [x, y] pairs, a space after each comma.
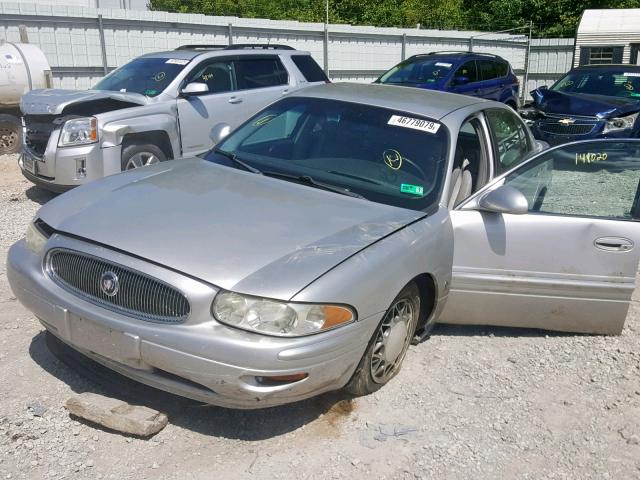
{"points": [[309, 249]]}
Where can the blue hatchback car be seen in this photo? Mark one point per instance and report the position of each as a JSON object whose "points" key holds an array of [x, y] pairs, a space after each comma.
{"points": [[477, 74], [593, 101]]}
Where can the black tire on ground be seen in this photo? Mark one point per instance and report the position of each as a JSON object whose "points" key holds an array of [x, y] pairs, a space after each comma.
{"points": [[134, 156], [378, 358], [10, 134]]}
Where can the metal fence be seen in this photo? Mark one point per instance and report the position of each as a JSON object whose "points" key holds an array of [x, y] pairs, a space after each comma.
{"points": [[82, 44]]}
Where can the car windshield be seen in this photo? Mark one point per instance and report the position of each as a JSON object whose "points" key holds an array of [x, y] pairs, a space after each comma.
{"points": [[417, 71], [619, 82], [384, 155], [146, 75]]}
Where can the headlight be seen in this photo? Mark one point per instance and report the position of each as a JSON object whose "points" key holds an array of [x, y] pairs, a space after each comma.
{"points": [[273, 317], [79, 131], [620, 123], [36, 240]]}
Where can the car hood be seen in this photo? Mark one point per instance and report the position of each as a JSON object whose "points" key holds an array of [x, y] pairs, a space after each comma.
{"points": [[52, 101], [234, 229], [550, 101]]}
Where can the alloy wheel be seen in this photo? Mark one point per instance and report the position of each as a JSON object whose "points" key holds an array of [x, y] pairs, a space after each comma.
{"points": [[141, 159]]}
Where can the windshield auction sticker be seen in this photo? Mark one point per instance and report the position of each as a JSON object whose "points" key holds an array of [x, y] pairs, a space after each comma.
{"points": [[177, 61], [415, 123]]}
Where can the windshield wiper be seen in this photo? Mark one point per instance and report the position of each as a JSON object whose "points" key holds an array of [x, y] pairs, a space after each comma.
{"points": [[234, 158], [307, 180]]}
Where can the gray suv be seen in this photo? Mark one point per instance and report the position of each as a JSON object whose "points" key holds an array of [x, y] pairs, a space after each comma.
{"points": [[157, 107]]}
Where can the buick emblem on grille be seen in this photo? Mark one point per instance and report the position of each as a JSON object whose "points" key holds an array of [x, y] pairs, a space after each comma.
{"points": [[109, 283], [567, 121]]}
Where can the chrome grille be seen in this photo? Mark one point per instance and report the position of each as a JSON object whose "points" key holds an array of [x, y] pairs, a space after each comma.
{"points": [[37, 130], [138, 295], [580, 127]]}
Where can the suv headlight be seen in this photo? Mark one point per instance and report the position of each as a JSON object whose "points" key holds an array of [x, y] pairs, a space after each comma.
{"points": [[273, 317], [35, 239], [620, 123], [79, 131]]}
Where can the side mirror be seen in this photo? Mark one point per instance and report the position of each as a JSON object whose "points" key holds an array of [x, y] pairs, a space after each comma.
{"points": [[543, 87], [219, 132], [541, 145], [460, 80], [504, 199], [195, 88]]}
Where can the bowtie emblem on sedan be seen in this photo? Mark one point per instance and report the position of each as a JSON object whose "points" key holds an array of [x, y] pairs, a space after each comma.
{"points": [[567, 121], [109, 283]]}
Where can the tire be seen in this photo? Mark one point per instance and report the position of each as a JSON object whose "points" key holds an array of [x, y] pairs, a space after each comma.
{"points": [[10, 134], [388, 345], [136, 156]]}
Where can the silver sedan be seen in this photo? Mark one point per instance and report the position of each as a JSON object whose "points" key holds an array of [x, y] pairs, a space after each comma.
{"points": [[311, 247]]}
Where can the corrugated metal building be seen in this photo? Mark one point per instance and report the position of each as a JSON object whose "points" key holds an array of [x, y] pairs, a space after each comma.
{"points": [[608, 36]]}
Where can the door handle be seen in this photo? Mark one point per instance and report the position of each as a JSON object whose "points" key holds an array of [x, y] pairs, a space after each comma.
{"points": [[613, 244], [235, 100], [285, 91]]}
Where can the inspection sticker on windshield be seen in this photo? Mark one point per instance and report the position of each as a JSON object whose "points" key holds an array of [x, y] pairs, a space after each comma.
{"points": [[177, 61], [415, 123], [412, 189]]}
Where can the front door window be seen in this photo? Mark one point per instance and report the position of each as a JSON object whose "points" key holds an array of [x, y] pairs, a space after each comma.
{"points": [[591, 179]]}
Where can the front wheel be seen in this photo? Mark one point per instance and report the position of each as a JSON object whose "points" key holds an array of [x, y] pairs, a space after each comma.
{"points": [[389, 344], [10, 134], [136, 156]]}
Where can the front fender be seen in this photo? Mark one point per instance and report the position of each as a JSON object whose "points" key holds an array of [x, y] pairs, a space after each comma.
{"points": [[114, 131], [371, 279]]}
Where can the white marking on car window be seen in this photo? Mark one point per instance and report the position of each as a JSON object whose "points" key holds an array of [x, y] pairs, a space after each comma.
{"points": [[177, 61], [415, 123]]}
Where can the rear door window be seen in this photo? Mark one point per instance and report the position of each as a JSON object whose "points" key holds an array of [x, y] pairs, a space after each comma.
{"points": [[309, 68], [260, 72], [468, 70]]}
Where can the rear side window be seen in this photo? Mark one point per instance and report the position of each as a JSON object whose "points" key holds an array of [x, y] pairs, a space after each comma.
{"points": [[309, 68], [502, 68], [260, 73], [488, 69]]}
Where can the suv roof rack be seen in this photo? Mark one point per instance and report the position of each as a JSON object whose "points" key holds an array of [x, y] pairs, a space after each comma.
{"points": [[238, 46], [258, 46], [462, 52], [201, 47]]}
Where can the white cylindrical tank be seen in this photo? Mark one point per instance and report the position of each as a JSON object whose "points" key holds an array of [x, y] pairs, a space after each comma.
{"points": [[23, 67]]}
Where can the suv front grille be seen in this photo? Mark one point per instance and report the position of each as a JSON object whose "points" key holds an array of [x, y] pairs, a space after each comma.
{"points": [[38, 129], [135, 294]]}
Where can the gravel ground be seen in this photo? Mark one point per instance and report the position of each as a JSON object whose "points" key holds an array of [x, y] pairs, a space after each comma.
{"points": [[469, 403]]}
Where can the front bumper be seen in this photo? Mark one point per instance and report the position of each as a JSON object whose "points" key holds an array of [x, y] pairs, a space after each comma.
{"points": [[61, 169], [200, 359]]}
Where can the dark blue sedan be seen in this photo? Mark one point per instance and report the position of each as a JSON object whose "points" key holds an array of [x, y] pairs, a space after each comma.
{"points": [[593, 101]]}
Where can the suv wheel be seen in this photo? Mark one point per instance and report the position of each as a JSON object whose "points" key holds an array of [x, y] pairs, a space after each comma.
{"points": [[10, 134], [136, 156], [388, 346]]}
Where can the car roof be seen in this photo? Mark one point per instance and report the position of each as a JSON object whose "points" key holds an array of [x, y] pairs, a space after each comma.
{"points": [[608, 66], [429, 103], [189, 54]]}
